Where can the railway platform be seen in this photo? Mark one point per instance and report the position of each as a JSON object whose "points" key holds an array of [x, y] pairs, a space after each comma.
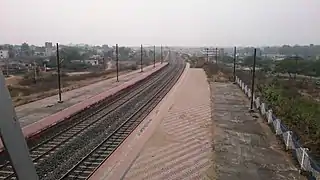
{"points": [[37, 110], [173, 142], [195, 133], [39, 115]]}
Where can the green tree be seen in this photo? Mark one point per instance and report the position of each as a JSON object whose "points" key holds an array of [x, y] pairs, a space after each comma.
{"points": [[290, 65], [70, 53], [227, 59], [248, 61], [124, 51], [11, 52], [25, 49]]}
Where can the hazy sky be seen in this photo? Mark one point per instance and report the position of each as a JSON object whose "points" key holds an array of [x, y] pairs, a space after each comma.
{"points": [[167, 22]]}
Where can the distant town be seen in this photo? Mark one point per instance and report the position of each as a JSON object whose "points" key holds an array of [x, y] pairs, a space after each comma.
{"points": [[15, 59]]}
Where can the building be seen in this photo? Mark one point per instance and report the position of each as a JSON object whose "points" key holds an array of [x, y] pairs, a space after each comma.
{"points": [[4, 54], [48, 49], [92, 62], [221, 53]]}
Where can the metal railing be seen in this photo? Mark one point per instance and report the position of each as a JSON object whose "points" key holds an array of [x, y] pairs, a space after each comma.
{"points": [[290, 140]]}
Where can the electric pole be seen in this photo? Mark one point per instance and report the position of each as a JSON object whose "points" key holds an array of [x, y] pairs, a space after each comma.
{"points": [[58, 71], [154, 56], [141, 59], [253, 77], [169, 55], [234, 63], [161, 54], [104, 64], [216, 55], [117, 61], [35, 71], [207, 50]]}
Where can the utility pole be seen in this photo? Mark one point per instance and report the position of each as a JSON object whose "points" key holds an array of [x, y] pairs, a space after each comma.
{"points": [[161, 54], [104, 64], [234, 63], [207, 50], [296, 66], [58, 71], [35, 71], [216, 55], [154, 56], [141, 59], [253, 77], [117, 61]]}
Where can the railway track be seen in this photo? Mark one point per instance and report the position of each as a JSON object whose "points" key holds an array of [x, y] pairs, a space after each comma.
{"points": [[92, 129], [92, 161], [61, 135]]}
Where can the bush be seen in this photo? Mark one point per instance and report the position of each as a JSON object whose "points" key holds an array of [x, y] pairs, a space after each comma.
{"points": [[134, 67], [299, 113]]}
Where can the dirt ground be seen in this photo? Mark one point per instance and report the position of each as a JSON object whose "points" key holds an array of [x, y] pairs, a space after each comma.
{"points": [[13, 80], [68, 85]]}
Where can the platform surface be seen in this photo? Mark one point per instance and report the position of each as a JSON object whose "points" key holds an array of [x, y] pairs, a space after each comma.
{"points": [[197, 134], [178, 145], [37, 110]]}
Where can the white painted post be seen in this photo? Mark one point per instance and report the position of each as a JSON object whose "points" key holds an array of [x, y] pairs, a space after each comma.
{"points": [[249, 93], [246, 89], [278, 128], [303, 158], [258, 102], [263, 109], [288, 139], [269, 116]]}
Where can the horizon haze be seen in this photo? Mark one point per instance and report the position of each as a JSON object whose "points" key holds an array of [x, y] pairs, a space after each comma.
{"points": [[171, 23]]}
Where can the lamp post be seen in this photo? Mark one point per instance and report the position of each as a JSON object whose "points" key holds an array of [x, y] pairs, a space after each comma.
{"points": [[154, 56], [117, 61], [58, 72], [234, 63], [141, 59], [161, 54], [253, 77]]}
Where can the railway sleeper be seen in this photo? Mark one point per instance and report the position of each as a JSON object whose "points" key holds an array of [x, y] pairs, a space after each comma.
{"points": [[95, 159], [99, 155], [77, 177], [91, 163], [87, 167]]}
